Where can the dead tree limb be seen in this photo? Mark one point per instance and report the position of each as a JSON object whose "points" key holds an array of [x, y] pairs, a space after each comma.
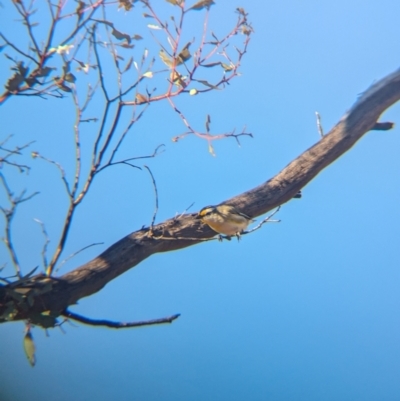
{"points": [[56, 294]]}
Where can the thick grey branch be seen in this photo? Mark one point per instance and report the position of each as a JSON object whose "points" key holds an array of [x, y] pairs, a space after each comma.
{"points": [[184, 230]]}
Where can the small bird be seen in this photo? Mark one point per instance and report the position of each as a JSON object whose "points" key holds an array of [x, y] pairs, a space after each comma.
{"points": [[224, 219]]}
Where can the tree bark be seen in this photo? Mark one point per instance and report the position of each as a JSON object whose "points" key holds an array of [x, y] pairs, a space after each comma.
{"points": [[56, 294]]}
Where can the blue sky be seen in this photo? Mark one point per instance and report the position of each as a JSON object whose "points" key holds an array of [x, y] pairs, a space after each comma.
{"points": [[304, 309]]}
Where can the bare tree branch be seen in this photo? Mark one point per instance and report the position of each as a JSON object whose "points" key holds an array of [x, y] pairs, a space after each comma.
{"points": [[184, 231]]}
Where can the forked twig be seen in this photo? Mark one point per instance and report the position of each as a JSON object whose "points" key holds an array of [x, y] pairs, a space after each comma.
{"points": [[266, 220], [8, 215], [46, 242]]}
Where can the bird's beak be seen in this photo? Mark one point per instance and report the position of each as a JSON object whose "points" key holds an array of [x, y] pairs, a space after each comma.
{"points": [[198, 217]]}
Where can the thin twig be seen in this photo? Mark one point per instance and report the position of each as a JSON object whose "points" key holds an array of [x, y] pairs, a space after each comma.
{"points": [[117, 325], [8, 215], [177, 217], [76, 253], [156, 195], [319, 125], [266, 220], [18, 50], [125, 161], [46, 242], [59, 167]]}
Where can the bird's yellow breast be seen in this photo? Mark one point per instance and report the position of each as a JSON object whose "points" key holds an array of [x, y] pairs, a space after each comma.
{"points": [[232, 226]]}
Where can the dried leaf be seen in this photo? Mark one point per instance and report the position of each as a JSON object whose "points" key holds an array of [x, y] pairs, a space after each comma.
{"points": [[202, 4], [241, 11], [153, 26], [211, 149], [83, 67], [148, 74], [126, 45], [60, 84], [141, 98], [29, 347], [178, 79], [208, 84], [61, 49], [127, 4], [211, 64], [184, 55], [43, 72], [120, 35], [165, 59], [18, 78], [208, 121], [247, 30], [69, 77], [227, 67], [80, 9], [129, 65]]}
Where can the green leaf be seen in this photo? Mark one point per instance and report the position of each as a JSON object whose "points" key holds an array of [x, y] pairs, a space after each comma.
{"points": [[202, 4], [29, 347]]}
